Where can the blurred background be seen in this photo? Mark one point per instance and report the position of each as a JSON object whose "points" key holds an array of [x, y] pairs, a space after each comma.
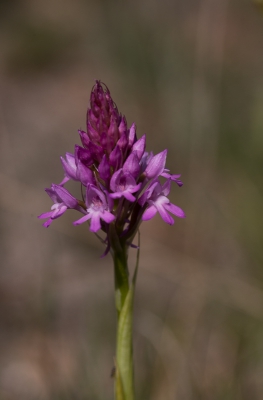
{"points": [[189, 73]]}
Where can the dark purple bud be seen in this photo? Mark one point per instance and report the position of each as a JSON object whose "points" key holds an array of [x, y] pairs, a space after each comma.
{"points": [[123, 141], [103, 119], [104, 169], [95, 104], [93, 134], [84, 155], [84, 174], [139, 146], [115, 157], [106, 143], [132, 135], [84, 138], [132, 165], [91, 118], [113, 128], [123, 126], [156, 165], [96, 151]]}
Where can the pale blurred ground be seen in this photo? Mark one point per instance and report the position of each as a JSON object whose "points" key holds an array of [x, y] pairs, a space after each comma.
{"points": [[189, 73]]}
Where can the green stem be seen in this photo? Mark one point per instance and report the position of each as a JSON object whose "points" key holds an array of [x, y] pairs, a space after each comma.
{"points": [[124, 294], [121, 277]]}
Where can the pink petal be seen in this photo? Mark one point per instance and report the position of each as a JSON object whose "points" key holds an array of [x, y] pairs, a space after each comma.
{"points": [[65, 180], [84, 138], [139, 146], [82, 219], [135, 188], [164, 214], [45, 215], [156, 165], [65, 196], [95, 222], [69, 166], [149, 213], [166, 187], [132, 165], [84, 174], [47, 223], [115, 157], [129, 196], [116, 195], [132, 134], [107, 216], [59, 211], [114, 179], [175, 210], [104, 168]]}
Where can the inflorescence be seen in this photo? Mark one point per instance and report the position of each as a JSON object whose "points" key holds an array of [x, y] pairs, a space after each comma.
{"points": [[119, 180]]}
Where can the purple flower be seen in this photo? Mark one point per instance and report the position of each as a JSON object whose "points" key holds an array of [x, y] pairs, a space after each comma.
{"points": [[97, 209], [123, 184], [155, 197], [62, 201]]}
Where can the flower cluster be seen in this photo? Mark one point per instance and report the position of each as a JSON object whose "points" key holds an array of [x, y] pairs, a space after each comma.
{"points": [[120, 184]]}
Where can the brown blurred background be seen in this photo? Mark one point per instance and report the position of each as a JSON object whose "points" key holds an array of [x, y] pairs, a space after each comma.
{"points": [[189, 73]]}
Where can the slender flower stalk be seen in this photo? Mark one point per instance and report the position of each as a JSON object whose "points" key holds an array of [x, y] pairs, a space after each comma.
{"points": [[120, 186]]}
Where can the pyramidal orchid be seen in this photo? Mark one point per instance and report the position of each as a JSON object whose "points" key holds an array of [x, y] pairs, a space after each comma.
{"points": [[120, 185]]}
